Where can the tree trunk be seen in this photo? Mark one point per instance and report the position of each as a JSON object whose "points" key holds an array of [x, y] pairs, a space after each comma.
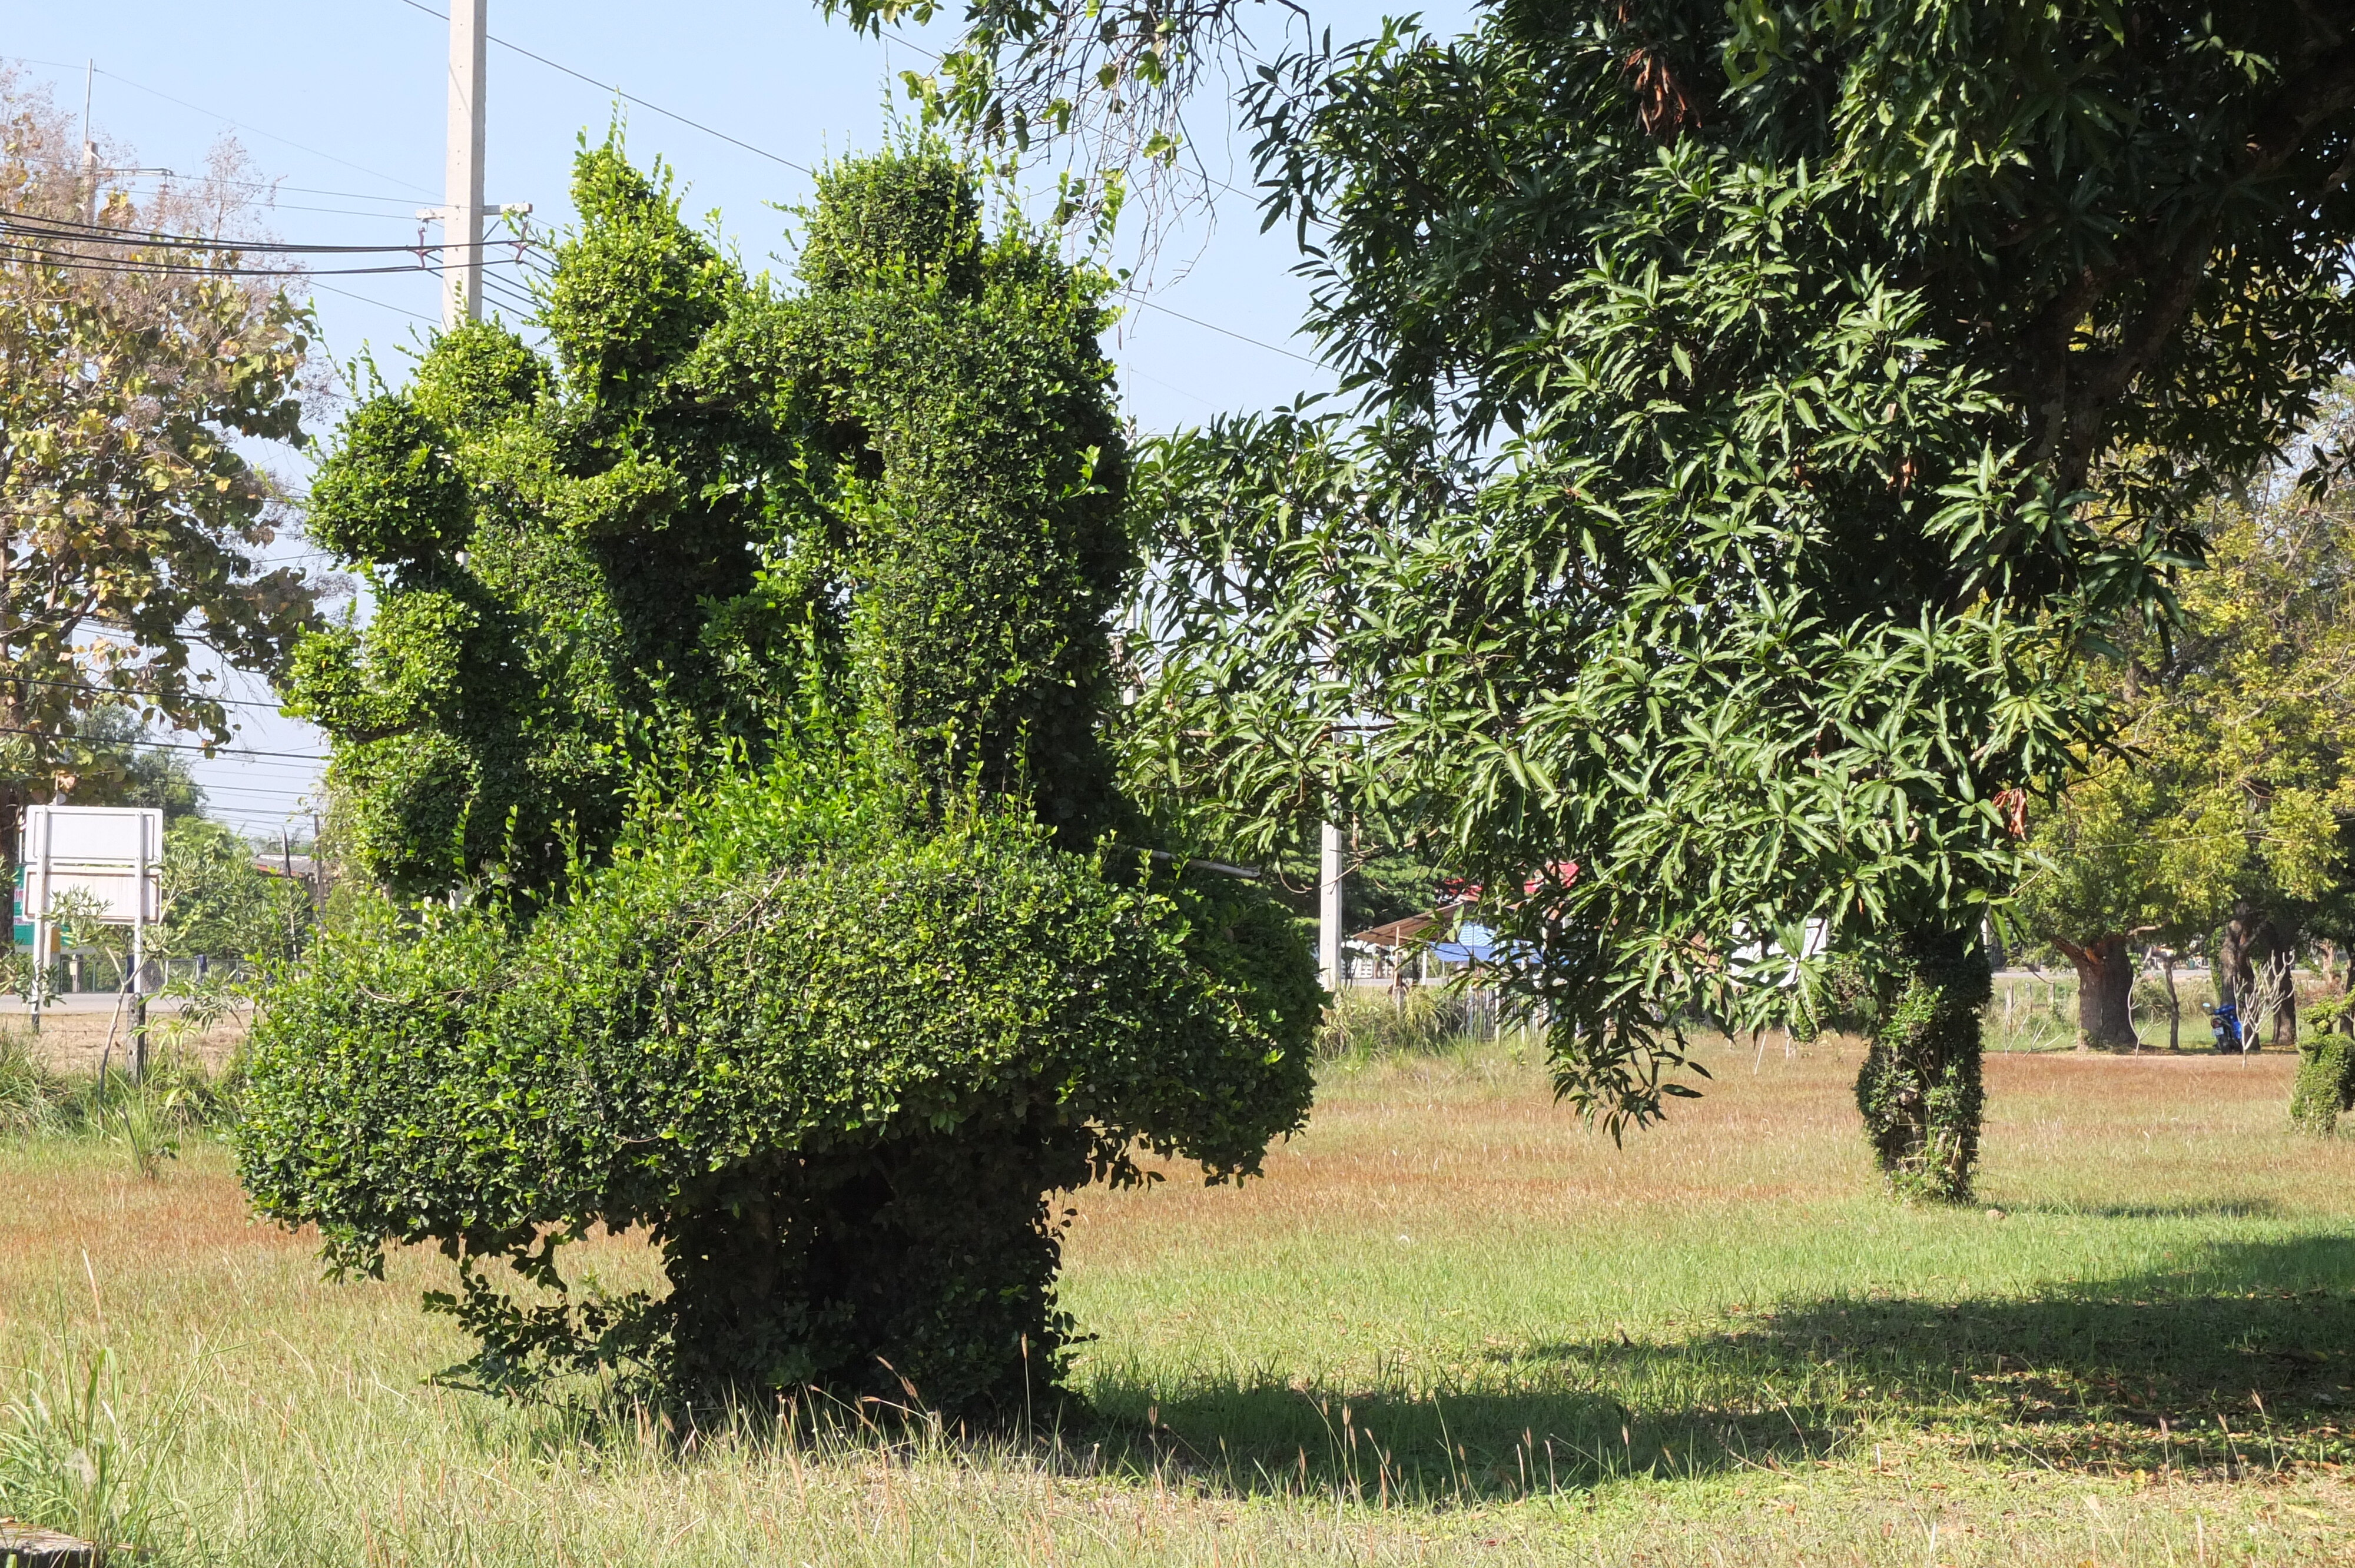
{"points": [[1920, 1090], [2105, 971], [2236, 956]]}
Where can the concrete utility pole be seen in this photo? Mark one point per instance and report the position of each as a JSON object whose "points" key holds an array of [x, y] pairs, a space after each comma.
{"points": [[89, 151], [1328, 909], [462, 209]]}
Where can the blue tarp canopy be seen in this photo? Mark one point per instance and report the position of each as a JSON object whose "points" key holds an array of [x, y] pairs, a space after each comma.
{"points": [[1472, 945]]}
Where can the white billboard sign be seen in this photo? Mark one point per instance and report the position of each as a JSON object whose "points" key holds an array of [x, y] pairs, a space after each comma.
{"points": [[115, 853]]}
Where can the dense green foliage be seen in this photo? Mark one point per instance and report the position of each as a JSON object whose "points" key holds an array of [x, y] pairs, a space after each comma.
{"points": [[218, 902], [2217, 827], [832, 1064], [2325, 1087], [644, 556], [1766, 406], [759, 647]]}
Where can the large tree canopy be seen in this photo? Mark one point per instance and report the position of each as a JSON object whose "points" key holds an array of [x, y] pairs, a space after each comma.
{"points": [[759, 647], [1766, 405], [145, 362]]}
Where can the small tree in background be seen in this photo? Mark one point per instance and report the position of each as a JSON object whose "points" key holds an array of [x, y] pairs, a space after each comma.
{"points": [[2218, 821], [752, 663], [220, 904], [137, 373]]}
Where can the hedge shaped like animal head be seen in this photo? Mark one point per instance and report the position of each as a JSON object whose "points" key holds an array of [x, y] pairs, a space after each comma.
{"points": [[896, 494]]}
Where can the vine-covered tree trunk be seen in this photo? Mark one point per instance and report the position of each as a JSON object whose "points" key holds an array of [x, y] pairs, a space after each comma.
{"points": [[2324, 1089], [923, 1264], [2105, 970], [1920, 1089]]}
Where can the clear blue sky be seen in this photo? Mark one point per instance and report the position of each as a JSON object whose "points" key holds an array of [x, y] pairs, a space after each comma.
{"points": [[345, 103]]}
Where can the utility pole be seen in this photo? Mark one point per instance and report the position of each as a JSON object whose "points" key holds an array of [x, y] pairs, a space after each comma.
{"points": [[89, 151], [1328, 909], [462, 210]]}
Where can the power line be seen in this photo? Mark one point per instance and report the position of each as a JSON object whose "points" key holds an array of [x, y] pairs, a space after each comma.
{"points": [[382, 305], [252, 130], [293, 776], [268, 797], [274, 185], [134, 692], [70, 232], [628, 97], [1229, 332], [345, 212], [124, 266], [211, 751], [73, 230]]}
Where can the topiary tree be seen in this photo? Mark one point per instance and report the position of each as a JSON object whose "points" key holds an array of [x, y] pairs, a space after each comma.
{"points": [[823, 963]]}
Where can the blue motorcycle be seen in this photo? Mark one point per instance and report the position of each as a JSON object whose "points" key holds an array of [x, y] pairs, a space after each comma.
{"points": [[2224, 1022]]}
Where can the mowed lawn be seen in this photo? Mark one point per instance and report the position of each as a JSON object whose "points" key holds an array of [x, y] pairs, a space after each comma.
{"points": [[1451, 1324]]}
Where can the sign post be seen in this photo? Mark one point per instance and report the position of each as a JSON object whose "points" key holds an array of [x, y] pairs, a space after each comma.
{"points": [[115, 856]]}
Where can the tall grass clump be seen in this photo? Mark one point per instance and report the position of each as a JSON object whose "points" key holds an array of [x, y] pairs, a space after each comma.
{"points": [[30, 1095], [67, 1463], [1366, 1025], [147, 1116]]}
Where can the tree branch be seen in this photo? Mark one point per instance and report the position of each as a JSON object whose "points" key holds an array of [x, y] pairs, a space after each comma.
{"points": [[2078, 390]]}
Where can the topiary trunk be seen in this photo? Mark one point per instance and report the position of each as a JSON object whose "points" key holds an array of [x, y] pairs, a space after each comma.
{"points": [[2325, 1087], [1920, 1089], [923, 1264], [2105, 971]]}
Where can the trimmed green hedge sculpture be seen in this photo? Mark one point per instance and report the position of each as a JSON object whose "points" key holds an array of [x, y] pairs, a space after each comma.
{"points": [[807, 928]]}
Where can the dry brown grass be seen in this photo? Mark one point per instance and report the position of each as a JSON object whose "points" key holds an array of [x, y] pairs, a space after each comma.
{"points": [[1436, 1141]]}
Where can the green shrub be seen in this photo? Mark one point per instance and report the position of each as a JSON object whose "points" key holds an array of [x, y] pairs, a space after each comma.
{"points": [[833, 1065]]}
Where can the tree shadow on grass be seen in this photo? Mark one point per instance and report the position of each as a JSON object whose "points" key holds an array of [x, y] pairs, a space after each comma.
{"points": [[2196, 1209], [2245, 1360]]}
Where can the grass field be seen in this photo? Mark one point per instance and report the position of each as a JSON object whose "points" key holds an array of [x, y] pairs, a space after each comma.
{"points": [[1450, 1326]]}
